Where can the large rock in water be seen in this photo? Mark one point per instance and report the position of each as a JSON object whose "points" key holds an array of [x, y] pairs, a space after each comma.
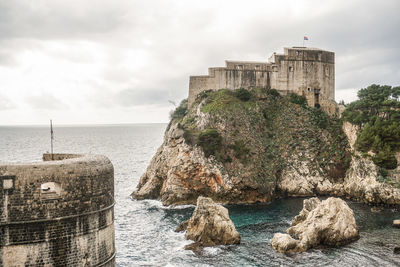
{"points": [[210, 225], [329, 222]]}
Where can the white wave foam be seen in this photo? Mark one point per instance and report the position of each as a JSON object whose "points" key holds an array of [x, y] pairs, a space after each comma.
{"points": [[212, 251], [179, 207]]}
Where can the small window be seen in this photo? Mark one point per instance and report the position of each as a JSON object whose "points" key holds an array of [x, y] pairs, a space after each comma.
{"points": [[8, 182], [309, 89], [50, 190]]}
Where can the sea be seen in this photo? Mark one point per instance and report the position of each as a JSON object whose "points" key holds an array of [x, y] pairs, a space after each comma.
{"points": [[145, 229]]}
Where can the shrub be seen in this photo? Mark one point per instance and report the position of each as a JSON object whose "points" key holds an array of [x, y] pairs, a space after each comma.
{"points": [[242, 94], [180, 111], [210, 141], [205, 94], [320, 118], [240, 149], [273, 92], [298, 99], [189, 136]]}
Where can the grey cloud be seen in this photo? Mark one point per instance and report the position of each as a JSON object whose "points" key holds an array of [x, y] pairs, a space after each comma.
{"points": [[6, 103], [45, 101], [182, 38], [56, 19], [173, 91]]}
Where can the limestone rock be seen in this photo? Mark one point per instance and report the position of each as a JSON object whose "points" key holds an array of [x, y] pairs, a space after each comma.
{"points": [[182, 226], [360, 182], [179, 173], [210, 225], [285, 243], [396, 250], [248, 171], [329, 222]]}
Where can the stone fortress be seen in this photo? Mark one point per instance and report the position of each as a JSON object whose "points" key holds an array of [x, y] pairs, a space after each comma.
{"points": [[301, 70], [59, 212]]}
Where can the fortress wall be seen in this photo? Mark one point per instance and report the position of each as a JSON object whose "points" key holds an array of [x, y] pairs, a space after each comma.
{"points": [[59, 156], [58, 213], [304, 71], [223, 78]]}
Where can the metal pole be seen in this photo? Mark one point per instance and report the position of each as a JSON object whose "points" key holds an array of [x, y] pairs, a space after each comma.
{"points": [[51, 138]]}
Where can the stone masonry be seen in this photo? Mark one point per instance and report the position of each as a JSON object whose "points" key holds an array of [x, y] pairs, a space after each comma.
{"points": [[58, 212], [301, 70]]}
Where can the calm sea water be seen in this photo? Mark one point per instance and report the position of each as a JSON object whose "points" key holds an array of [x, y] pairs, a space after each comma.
{"points": [[145, 229]]}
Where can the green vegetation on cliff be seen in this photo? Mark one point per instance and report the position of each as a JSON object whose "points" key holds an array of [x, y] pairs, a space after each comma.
{"points": [[210, 141], [259, 134], [180, 110], [377, 113]]}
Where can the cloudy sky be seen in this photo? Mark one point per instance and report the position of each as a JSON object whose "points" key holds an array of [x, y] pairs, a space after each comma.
{"points": [[121, 61]]}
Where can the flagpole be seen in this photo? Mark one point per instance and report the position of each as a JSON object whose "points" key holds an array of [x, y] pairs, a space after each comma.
{"points": [[51, 139]]}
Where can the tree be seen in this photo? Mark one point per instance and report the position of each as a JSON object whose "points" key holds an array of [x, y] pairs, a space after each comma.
{"points": [[377, 113]]}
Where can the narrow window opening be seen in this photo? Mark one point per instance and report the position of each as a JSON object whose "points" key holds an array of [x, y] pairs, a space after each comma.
{"points": [[316, 98], [50, 190]]}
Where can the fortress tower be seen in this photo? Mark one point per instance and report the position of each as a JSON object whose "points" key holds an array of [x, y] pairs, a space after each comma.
{"points": [[301, 70], [59, 212]]}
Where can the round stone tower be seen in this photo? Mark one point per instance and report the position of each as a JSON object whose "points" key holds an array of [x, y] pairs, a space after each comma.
{"points": [[59, 212]]}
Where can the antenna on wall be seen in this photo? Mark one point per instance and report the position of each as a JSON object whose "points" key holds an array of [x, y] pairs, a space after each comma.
{"points": [[51, 139]]}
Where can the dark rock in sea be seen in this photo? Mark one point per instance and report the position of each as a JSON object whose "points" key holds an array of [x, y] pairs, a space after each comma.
{"points": [[396, 250]]}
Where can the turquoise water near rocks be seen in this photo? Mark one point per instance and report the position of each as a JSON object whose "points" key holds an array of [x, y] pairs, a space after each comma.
{"points": [[145, 229]]}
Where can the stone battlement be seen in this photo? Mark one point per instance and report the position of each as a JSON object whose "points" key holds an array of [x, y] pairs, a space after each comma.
{"points": [[59, 212], [301, 70]]}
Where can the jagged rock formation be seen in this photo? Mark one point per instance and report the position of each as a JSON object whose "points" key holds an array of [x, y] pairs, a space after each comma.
{"points": [[329, 222], [263, 142], [210, 225], [269, 146], [361, 181]]}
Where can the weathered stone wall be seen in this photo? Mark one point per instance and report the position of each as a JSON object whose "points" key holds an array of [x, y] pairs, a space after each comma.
{"points": [[58, 213], [304, 71]]}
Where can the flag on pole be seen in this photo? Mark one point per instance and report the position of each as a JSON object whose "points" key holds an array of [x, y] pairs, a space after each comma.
{"points": [[305, 38]]}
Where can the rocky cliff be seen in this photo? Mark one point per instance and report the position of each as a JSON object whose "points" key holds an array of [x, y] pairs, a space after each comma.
{"points": [[246, 147]]}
